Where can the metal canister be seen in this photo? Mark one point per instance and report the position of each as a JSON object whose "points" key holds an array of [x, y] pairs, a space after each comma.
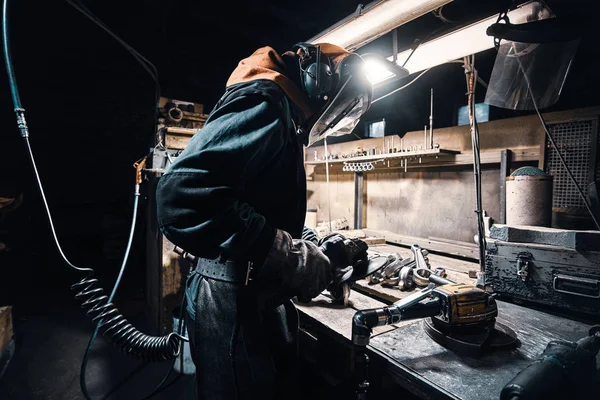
{"points": [[529, 199]]}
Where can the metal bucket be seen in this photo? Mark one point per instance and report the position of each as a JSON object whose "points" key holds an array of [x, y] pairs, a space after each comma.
{"points": [[529, 200], [184, 363]]}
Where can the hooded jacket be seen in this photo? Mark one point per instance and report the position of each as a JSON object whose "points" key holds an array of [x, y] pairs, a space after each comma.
{"points": [[242, 176], [237, 186]]}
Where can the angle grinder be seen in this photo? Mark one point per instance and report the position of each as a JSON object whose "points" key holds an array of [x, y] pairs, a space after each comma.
{"points": [[460, 317], [467, 322]]}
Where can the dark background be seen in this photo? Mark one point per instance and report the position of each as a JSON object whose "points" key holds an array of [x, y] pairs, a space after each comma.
{"points": [[90, 108]]}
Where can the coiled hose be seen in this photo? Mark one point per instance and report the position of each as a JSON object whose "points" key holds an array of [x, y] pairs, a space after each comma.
{"points": [[113, 324], [115, 327]]}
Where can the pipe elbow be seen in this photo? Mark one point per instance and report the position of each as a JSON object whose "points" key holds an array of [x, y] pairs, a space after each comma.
{"points": [[362, 326]]}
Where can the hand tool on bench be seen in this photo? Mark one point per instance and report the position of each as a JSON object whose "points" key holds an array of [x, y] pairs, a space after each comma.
{"points": [[458, 316]]}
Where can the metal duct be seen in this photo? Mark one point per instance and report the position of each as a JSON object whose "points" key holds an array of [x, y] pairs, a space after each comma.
{"points": [[375, 20]]}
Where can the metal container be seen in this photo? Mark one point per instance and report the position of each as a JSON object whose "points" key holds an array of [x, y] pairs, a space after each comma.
{"points": [[555, 276], [529, 200]]}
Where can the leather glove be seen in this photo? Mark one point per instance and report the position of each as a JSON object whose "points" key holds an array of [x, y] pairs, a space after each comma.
{"points": [[335, 248], [296, 268], [344, 254]]}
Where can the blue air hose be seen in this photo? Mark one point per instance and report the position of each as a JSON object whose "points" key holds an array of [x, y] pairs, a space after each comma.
{"points": [[98, 306]]}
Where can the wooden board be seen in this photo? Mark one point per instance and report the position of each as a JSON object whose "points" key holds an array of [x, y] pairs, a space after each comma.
{"points": [[178, 138], [336, 318], [6, 328], [467, 250]]}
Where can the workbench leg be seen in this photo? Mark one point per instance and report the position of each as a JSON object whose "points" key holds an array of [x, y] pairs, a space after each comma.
{"points": [[505, 160], [358, 199]]}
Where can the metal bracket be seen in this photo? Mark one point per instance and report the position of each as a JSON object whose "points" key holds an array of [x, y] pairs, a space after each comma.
{"points": [[523, 264]]}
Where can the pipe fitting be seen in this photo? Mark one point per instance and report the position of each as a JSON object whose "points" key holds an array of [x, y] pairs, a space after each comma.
{"points": [[363, 323], [175, 115]]}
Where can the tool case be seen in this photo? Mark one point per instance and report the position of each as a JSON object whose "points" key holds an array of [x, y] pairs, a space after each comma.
{"points": [[564, 277]]}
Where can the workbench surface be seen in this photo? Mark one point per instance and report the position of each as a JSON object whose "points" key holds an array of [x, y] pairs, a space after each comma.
{"points": [[427, 369]]}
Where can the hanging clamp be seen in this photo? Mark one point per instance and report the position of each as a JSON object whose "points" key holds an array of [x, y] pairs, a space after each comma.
{"points": [[21, 123]]}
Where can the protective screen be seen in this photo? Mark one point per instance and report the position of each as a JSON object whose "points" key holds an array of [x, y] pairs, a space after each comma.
{"points": [[343, 113], [543, 67]]}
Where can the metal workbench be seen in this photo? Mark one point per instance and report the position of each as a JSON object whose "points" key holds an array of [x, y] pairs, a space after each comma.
{"points": [[406, 356]]}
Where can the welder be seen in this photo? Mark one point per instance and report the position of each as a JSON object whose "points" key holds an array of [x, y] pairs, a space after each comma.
{"points": [[236, 198]]}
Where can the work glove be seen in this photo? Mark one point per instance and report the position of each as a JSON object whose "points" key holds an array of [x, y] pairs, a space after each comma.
{"points": [[295, 267], [334, 246], [344, 254]]}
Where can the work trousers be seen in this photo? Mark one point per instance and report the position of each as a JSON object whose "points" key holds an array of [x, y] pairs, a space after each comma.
{"points": [[243, 346]]}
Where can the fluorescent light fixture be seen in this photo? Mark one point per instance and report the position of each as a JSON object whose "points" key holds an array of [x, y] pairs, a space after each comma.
{"points": [[377, 72], [460, 43], [375, 20], [379, 68]]}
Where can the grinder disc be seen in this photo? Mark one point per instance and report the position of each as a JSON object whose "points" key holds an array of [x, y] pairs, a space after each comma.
{"points": [[365, 268], [474, 342]]}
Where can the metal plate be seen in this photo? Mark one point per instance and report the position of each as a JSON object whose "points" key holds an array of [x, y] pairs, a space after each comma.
{"points": [[575, 141]]}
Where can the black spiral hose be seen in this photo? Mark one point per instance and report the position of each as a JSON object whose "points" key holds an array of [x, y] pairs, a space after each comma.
{"points": [[118, 331]]}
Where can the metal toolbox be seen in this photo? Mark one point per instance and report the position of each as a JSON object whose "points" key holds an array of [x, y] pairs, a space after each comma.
{"points": [[561, 277]]}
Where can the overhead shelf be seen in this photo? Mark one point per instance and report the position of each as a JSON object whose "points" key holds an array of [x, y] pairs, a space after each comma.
{"points": [[431, 158]]}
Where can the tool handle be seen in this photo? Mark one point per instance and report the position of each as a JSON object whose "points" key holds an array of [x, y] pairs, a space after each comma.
{"points": [[438, 280]]}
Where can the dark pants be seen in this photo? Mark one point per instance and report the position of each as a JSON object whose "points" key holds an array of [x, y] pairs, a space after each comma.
{"points": [[241, 348]]}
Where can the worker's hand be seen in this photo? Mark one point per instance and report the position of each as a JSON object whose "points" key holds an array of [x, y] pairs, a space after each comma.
{"points": [[296, 268], [343, 253]]}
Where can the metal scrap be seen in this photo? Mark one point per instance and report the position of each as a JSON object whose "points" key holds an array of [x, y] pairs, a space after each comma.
{"points": [[400, 273]]}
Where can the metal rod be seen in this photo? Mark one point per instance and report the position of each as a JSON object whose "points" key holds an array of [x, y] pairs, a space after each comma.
{"points": [[425, 136], [358, 199], [505, 159], [328, 189], [431, 122]]}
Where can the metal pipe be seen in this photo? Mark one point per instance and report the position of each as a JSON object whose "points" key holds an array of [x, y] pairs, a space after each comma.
{"points": [[431, 122], [328, 190], [374, 20]]}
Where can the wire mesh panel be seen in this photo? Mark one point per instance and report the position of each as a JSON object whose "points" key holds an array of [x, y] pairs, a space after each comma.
{"points": [[575, 141]]}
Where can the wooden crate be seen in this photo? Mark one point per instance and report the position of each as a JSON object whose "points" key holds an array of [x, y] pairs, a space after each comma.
{"points": [[166, 271], [6, 329]]}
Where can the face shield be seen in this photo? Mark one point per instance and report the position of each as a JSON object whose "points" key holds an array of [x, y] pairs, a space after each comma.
{"points": [[534, 69], [341, 114]]}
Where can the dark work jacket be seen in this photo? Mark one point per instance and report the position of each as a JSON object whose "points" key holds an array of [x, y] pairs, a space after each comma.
{"points": [[240, 178]]}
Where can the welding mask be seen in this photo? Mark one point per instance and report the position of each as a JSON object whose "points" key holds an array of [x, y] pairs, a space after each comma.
{"points": [[336, 83], [534, 58]]}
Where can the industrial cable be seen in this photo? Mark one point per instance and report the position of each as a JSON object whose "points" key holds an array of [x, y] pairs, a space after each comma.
{"points": [[470, 74], [401, 87], [153, 72], [97, 305], [555, 146], [481, 81]]}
